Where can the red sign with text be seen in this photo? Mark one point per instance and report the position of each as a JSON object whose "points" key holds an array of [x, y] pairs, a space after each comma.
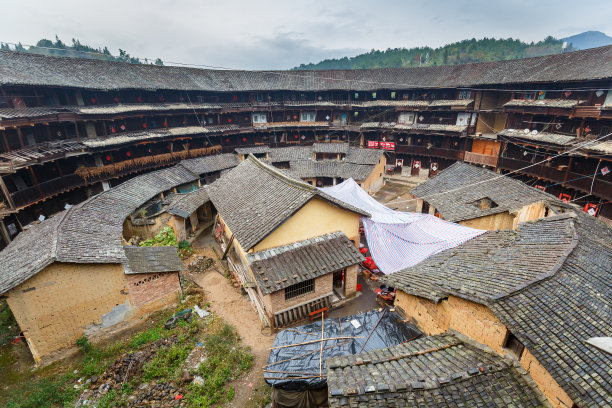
{"points": [[388, 145], [372, 144]]}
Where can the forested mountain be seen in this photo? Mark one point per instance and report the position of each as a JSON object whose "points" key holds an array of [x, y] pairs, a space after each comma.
{"points": [[77, 50], [486, 49]]}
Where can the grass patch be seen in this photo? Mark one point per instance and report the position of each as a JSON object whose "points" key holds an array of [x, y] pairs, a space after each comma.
{"points": [[226, 360]]}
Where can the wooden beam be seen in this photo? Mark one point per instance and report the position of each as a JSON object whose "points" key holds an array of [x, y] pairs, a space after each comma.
{"points": [[229, 245]]}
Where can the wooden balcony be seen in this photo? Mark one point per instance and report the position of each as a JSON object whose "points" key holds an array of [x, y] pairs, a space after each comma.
{"points": [[577, 181], [586, 112], [430, 152], [50, 188], [478, 158]]}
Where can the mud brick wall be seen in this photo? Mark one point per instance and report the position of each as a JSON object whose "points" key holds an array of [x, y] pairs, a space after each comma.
{"points": [[57, 305], [150, 287]]}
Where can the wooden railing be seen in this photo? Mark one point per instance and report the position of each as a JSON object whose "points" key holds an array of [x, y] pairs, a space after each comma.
{"points": [[578, 181], [479, 158], [432, 152]]}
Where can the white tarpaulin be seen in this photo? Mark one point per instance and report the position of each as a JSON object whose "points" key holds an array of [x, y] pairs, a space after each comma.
{"points": [[398, 239]]}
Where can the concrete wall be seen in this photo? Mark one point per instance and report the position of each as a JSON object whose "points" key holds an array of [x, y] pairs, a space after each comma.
{"points": [[493, 222], [57, 305], [316, 218], [480, 324]]}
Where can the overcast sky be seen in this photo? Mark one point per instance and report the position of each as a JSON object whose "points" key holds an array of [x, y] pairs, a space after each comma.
{"points": [[264, 34]]}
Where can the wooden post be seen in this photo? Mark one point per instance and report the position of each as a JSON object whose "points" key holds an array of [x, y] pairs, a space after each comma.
{"points": [[76, 128], [6, 143], [20, 136], [9, 199], [322, 337]]}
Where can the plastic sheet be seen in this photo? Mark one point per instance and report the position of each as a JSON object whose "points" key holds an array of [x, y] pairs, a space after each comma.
{"points": [[303, 360]]}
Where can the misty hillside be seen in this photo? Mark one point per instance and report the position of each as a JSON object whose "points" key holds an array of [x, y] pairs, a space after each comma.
{"points": [[486, 49], [588, 39]]}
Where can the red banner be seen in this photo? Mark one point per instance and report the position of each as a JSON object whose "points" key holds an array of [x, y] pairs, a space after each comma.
{"points": [[388, 145], [372, 144]]}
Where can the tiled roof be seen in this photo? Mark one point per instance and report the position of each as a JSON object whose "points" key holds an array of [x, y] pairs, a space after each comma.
{"points": [[330, 148], [30, 69], [549, 284], [542, 137], [130, 137], [491, 265], [544, 103], [331, 168], [291, 153], [460, 203], [417, 126], [435, 371], [152, 259], [255, 198], [277, 268], [184, 205], [89, 232], [212, 163], [554, 317], [253, 150], [451, 102], [364, 156]]}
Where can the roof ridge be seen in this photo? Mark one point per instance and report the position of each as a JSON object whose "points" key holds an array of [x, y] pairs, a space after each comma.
{"points": [[281, 176], [555, 268], [329, 235]]}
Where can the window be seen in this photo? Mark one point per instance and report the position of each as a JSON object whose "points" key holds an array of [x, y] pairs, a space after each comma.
{"points": [[373, 95], [259, 118], [465, 94], [308, 117], [514, 345], [406, 118], [259, 97], [299, 289], [392, 95], [356, 95]]}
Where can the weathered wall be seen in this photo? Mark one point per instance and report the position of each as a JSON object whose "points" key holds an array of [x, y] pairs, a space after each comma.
{"points": [[431, 318], [316, 218], [557, 397], [350, 280], [493, 222], [374, 181], [488, 147], [56, 306], [144, 231], [477, 322], [158, 288], [530, 212], [323, 286]]}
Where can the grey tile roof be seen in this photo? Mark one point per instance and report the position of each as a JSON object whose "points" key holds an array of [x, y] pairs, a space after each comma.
{"points": [[553, 294], [451, 102], [435, 371], [554, 317], [330, 148], [31, 69], [416, 126], [491, 265], [211, 164], [130, 137], [254, 199], [152, 259], [277, 268], [455, 203], [544, 103], [184, 205], [91, 231], [253, 150], [331, 168], [542, 137], [291, 153], [364, 156]]}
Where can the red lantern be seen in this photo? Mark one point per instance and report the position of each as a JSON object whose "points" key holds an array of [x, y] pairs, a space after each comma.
{"points": [[294, 117], [144, 125], [168, 147], [227, 140], [128, 154], [113, 129], [93, 100], [296, 136], [244, 139], [108, 158], [229, 120], [235, 98], [116, 99], [161, 98], [139, 99], [165, 123]]}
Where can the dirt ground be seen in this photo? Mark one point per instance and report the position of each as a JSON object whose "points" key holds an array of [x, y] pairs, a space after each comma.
{"points": [[236, 309]]}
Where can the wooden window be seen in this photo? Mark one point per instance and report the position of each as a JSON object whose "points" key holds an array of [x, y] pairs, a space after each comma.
{"points": [[299, 289], [308, 116], [259, 97], [465, 94], [514, 345]]}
